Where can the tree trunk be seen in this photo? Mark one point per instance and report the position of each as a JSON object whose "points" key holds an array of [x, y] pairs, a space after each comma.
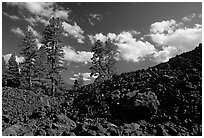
{"points": [[53, 87], [30, 83]]}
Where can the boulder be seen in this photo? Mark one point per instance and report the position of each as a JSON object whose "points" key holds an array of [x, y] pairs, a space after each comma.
{"points": [[63, 119], [12, 130]]}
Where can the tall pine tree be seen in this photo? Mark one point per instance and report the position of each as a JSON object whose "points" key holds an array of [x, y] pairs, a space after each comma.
{"points": [[103, 60], [80, 80], [13, 78], [4, 72], [28, 51], [41, 69], [54, 51]]}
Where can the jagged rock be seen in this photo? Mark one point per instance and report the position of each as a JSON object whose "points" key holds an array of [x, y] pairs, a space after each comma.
{"points": [[161, 131], [148, 99], [113, 131], [72, 134], [51, 132], [132, 94], [63, 119], [132, 126], [29, 134], [12, 131], [45, 100], [41, 132], [60, 127], [92, 132]]}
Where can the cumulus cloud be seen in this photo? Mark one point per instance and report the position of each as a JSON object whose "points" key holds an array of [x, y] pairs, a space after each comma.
{"points": [[12, 17], [129, 47], [73, 30], [63, 14], [36, 19], [42, 9], [36, 8], [99, 36], [7, 57], [34, 31], [188, 18], [18, 59], [76, 56], [165, 54], [86, 76], [160, 27], [41, 13], [18, 32], [174, 40], [31, 20]]}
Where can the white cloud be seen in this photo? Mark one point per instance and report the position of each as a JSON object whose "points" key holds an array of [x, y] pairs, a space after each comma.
{"points": [[31, 20], [160, 27], [175, 41], [130, 48], [36, 8], [158, 38], [96, 37], [86, 76], [36, 19], [73, 79], [13, 17], [18, 59], [188, 18], [34, 31], [165, 54], [7, 57], [74, 30], [18, 32], [77, 56], [63, 14], [41, 13], [42, 9]]}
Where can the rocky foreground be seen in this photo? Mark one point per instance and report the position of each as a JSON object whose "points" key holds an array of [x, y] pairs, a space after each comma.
{"points": [[161, 100]]}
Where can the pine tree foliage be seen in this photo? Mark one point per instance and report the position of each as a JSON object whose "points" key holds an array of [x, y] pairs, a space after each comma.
{"points": [[13, 78], [103, 60], [53, 47], [41, 69], [76, 85], [80, 80], [28, 51], [4, 72]]}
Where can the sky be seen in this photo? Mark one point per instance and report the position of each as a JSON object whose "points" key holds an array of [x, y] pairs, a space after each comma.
{"points": [[146, 34]]}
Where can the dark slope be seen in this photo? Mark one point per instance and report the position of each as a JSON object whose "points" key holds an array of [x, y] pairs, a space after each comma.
{"points": [[170, 91], [163, 100]]}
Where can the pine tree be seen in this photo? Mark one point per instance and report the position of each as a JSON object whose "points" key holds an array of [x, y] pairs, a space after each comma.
{"points": [[103, 60], [54, 50], [28, 51], [80, 80], [4, 72], [76, 85], [13, 78], [41, 69], [110, 58]]}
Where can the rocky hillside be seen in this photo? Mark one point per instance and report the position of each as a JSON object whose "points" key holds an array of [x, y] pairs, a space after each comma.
{"points": [[163, 100]]}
